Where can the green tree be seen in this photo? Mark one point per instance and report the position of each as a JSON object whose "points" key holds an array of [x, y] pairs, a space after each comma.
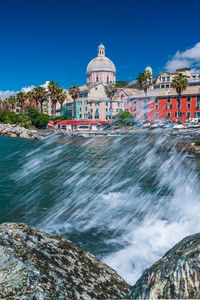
{"points": [[123, 118], [74, 91], [12, 101], [144, 81], [53, 88], [30, 98], [111, 91], [21, 100], [40, 95], [33, 114], [41, 121], [61, 96], [179, 83]]}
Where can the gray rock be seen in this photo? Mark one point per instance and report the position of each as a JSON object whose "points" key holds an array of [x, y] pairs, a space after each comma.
{"points": [[35, 265], [175, 276]]}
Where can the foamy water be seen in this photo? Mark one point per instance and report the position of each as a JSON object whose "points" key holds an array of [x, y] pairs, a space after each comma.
{"points": [[126, 199]]}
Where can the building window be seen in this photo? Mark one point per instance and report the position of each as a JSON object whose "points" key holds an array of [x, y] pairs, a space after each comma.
{"points": [[117, 110], [169, 100], [156, 101], [198, 105], [106, 109], [176, 114], [97, 79], [86, 108], [80, 116], [86, 102], [169, 106], [162, 86], [157, 107], [106, 103], [163, 79], [107, 79], [188, 98], [188, 114], [188, 105], [135, 108], [85, 116], [156, 115], [167, 86], [118, 104], [168, 79], [80, 108], [168, 115], [96, 103], [90, 103], [198, 98]]}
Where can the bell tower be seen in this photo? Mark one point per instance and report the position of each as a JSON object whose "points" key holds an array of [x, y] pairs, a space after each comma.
{"points": [[101, 50]]}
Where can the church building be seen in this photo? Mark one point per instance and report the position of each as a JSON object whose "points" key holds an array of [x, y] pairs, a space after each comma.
{"points": [[101, 69]]}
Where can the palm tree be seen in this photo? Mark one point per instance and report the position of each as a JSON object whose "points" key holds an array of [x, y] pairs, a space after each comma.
{"points": [[21, 100], [111, 90], [53, 88], [61, 96], [74, 91], [1, 103], [40, 95], [12, 101], [30, 97], [179, 83], [144, 81]]}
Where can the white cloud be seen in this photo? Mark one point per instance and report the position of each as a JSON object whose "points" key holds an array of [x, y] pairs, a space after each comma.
{"points": [[189, 58], [26, 89], [7, 94], [45, 85]]}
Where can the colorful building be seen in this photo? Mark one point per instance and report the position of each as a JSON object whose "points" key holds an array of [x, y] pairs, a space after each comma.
{"points": [[162, 105]]}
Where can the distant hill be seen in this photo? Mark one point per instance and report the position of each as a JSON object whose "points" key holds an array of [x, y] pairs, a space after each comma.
{"points": [[127, 84]]}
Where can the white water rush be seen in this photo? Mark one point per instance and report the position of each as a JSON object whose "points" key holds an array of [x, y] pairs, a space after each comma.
{"points": [[125, 199]]}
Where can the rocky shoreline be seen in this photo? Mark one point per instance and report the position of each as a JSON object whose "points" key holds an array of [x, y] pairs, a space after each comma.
{"points": [[39, 266], [14, 130]]}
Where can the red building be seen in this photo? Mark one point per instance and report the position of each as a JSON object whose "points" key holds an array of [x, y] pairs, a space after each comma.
{"points": [[161, 105]]}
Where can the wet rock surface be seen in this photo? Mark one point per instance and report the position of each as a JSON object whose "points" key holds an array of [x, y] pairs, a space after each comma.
{"points": [[35, 265], [175, 276]]}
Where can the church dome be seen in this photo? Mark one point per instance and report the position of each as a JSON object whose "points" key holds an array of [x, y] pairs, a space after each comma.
{"points": [[101, 46], [101, 63], [101, 69], [149, 69]]}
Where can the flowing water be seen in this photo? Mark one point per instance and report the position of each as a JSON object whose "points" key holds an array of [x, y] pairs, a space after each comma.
{"points": [[126, 199]]}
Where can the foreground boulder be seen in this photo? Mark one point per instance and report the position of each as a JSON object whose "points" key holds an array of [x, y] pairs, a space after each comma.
{"points": [[35, 265], [175, 276]]}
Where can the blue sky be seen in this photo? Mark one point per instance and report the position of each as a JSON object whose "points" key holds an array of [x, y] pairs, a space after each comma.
{"points": [[45, 40]]}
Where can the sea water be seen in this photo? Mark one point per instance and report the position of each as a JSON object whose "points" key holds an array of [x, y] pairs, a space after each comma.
{"points": [[126, 199]]}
